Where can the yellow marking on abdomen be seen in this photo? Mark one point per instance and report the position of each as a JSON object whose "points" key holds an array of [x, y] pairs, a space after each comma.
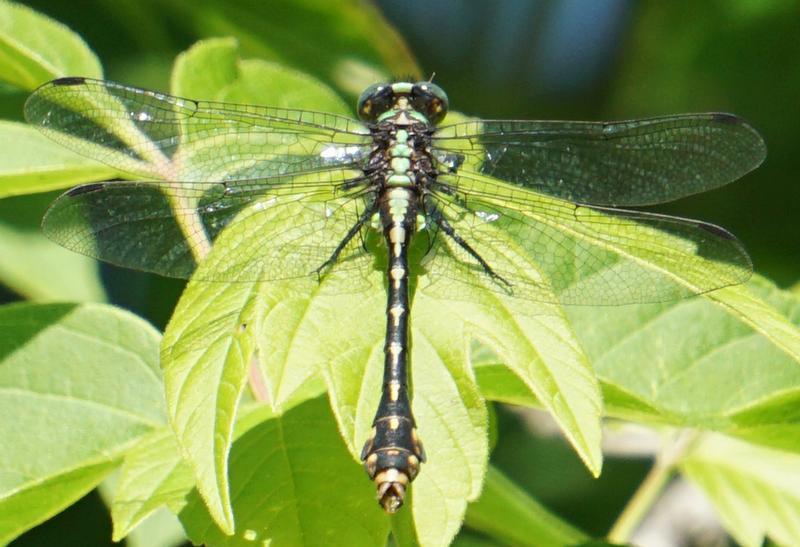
{"points": [[397, 275], [394, 390], [396, 312], [397, 234]]}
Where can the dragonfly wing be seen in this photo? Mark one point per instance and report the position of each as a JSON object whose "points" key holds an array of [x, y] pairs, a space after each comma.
{"points": [[158, 136], [551, 250], [631, 163], [168, 229], [295, 237]]}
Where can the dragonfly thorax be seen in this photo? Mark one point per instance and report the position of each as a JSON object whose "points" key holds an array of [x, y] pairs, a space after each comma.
{"points": [[401, 155]]}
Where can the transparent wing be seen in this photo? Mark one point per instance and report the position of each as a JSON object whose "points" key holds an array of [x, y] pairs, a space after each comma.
{"points": [[154, 135], [168, 229], [550, 250], [638, 162]]}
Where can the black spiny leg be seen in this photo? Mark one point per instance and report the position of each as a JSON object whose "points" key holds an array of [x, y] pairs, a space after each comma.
{"points": [[436, 216], [356, 228]]}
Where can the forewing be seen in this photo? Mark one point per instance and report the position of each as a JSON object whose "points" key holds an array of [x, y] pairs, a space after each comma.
{"points": [[293, 238], [157, 136], [168, 229], [550, 250], [637, 162]]}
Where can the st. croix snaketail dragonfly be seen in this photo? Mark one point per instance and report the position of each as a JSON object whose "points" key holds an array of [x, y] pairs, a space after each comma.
{"points": [[330, 182]]}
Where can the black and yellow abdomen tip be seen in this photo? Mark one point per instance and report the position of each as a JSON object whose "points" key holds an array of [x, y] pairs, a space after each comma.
{"points": [[392, 470]]}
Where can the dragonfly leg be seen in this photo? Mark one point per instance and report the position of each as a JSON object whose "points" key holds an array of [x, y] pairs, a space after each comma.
{"points": [[351, 233], [436, 217]]}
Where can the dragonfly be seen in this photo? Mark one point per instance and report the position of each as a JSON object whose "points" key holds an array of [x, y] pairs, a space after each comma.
{"points": [[325, 185]]}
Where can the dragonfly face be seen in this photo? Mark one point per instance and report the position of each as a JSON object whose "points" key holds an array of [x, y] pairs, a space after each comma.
{"points": [[425, 98], [525, 209]]}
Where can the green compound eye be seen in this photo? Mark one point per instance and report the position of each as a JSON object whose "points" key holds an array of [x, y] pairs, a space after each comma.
{"points": [[374, 101], [431, 100], [434, 90]]}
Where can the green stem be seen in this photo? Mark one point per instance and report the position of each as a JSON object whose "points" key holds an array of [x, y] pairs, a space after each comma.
{"points": [[648, 492]]}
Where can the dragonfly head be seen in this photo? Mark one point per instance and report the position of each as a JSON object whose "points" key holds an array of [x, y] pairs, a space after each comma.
{"points": [[427, 98]]}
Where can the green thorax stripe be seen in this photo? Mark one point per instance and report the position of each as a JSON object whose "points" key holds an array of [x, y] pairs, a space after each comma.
{"points": [[411, 113]]}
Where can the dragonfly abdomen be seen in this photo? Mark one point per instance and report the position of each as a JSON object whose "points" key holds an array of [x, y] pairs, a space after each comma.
{"points": [[393, 453]]}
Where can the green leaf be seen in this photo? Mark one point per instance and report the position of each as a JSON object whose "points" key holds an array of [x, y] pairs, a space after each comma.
{"points": [[33, 504], [287, 325], [213, 70], [279, 335], [35, 49], [346, 43], [466, 539], [218, 329], [152, 474], [206, 69], [30, 163], [540, 351], [79, 385], [38, 269], [205, 369], [535, 341], [218, 367], [294, 483], [654, 369], [160, 529], [507, 513], [762, 316], [755, 490], [499, 383]]}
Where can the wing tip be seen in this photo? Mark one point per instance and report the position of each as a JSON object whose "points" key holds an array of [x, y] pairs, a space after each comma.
{"points": [[69, 80], [84, 189], [718, 231], [756, 145], [724, 117]]}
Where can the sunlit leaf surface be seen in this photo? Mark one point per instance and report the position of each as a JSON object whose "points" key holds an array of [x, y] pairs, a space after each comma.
{"points": [[80, 384]]}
